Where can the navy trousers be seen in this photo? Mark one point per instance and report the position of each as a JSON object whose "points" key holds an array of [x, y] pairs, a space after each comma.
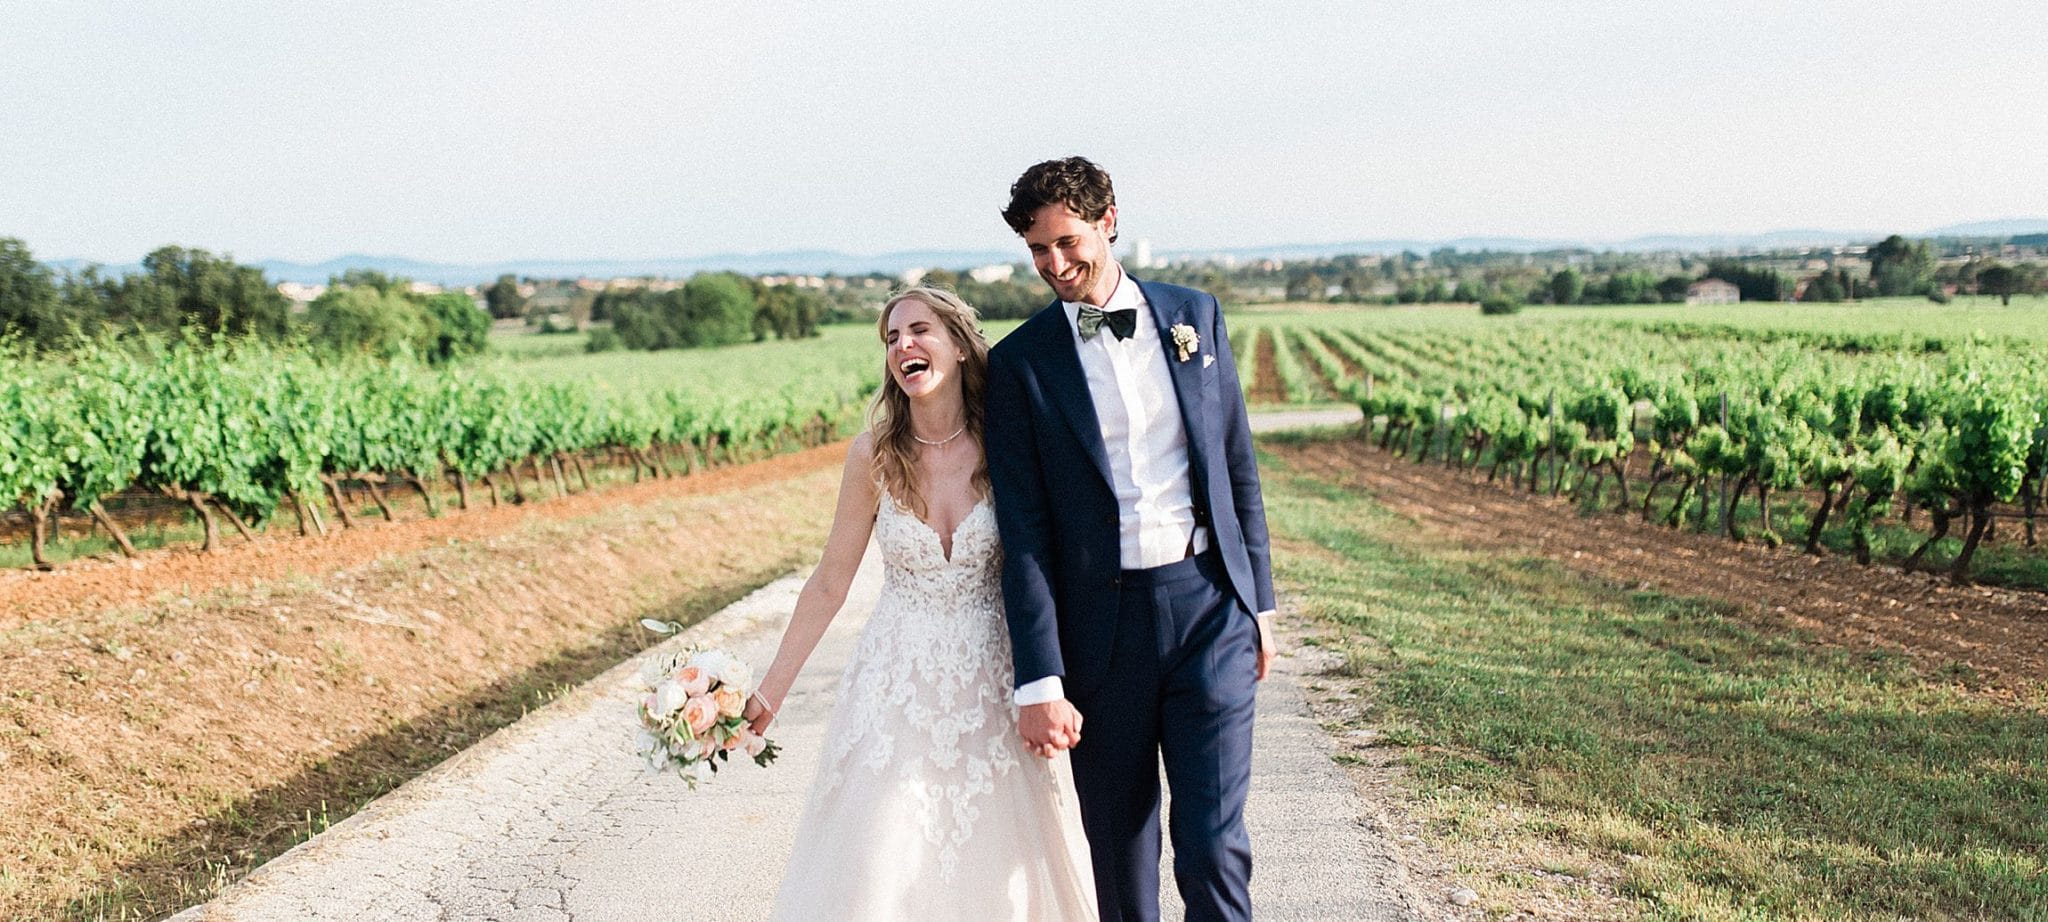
{"points": [[1181, 680]]}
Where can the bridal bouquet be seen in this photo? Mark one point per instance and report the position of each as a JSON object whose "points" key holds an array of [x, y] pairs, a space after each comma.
{"points": [[690, 715]]}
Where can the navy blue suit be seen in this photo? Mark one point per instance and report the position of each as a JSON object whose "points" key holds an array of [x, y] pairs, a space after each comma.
{"points": [[1161, 663]]}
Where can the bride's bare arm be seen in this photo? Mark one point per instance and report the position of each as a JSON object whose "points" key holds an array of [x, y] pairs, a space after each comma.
{"points": [[825, 592]]}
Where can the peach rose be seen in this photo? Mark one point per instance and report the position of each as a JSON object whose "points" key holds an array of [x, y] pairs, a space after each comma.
{"points": [[731, 702], [700, 713], [694, 680]]}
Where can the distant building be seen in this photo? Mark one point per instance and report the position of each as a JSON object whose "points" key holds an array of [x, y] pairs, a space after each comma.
{"points": [[1143, 257], [423, 288], [1712, 291], [300, 293], [913, 276], [989, 275]]}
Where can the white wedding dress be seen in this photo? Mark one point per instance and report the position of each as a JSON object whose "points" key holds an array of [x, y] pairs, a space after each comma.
{"points": [[926, 804]]}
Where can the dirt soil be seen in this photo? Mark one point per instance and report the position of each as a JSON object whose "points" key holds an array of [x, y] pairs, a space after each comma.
{"points": [[1267, 387], [168, 723], [1992, 640]]}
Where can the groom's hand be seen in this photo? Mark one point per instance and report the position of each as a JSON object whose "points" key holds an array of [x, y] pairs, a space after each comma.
{"points": [[1050, 727], [1267, 645]]}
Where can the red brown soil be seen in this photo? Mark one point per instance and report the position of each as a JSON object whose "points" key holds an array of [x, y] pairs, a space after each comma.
{"points": [[1266, 385], [109, 581], [1999, 637], [167, 726]]}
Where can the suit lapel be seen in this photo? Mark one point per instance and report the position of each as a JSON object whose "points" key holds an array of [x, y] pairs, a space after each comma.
{"points": [[1067, 384]]}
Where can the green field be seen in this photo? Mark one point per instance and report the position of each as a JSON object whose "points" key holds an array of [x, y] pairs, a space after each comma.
{"points": [[2026, 318]]}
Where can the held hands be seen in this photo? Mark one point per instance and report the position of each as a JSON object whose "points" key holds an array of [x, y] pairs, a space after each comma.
{"points": [[1050, 727]]}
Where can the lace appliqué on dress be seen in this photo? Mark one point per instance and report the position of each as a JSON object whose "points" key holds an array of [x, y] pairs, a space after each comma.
{"points": [[928, 695]]}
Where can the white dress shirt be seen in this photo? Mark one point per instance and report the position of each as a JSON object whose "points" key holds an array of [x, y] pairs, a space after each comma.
{"points": [[1146, 441]]}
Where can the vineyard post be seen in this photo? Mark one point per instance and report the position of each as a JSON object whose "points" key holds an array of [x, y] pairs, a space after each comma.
{"points": [[1721, 507], [1549, 433], [1366, 429]]}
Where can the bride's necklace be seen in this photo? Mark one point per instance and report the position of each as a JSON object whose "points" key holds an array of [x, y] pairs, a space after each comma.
{"points": [[925, 441]]}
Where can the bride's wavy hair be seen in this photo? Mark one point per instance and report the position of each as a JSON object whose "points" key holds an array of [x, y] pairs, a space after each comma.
{"points": [[889, 413]]}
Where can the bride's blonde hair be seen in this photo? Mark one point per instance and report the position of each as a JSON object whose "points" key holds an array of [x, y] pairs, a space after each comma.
{"points": [[889, 413]]}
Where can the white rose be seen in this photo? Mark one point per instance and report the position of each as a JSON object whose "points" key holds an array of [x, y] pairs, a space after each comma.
{"points": [[668, 698], [713, 662], [701, 771], [739, 675], [754, 742]]}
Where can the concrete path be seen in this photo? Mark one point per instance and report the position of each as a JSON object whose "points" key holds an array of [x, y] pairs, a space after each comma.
{"points": [[1277, 420], [554, 818]]}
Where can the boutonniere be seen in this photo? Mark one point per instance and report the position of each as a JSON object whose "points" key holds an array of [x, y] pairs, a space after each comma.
{"points": [[1185, 340]]}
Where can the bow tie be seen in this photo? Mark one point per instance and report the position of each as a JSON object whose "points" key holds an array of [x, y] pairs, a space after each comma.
{"points": [[1123, 323]]}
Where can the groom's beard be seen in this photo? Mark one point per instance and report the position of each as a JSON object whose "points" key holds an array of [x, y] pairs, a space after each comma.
{"points": [[1082, 286]]}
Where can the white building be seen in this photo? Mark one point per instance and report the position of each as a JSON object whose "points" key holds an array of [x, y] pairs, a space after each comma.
{"points": [[989, 275], [1712, 291]]}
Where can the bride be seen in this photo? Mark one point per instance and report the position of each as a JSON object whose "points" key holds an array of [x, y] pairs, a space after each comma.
{"points": [[927, 803]]}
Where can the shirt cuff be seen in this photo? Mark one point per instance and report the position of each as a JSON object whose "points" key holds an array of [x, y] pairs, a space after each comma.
{"points": [[1041, 691], [1268, 613]]}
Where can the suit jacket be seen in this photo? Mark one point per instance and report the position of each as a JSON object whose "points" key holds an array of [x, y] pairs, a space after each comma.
{"points": [[1055, 506]]}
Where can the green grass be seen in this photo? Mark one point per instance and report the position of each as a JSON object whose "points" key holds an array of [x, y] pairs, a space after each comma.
{"points": [[1725, 771], [2026, 318], [841, 355]]}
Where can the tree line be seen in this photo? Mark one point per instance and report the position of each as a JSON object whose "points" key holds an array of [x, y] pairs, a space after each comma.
{"points": [[1895, 266], [180, 291]]}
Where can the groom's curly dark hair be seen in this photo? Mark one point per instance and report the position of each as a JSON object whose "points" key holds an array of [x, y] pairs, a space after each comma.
{"points": [[1074, 182]]}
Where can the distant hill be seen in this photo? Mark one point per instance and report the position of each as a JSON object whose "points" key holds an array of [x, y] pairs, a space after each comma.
{"points": [[2010, 227], [821, 261]]}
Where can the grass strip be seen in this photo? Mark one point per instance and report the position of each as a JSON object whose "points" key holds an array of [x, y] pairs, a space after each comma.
{"points": [[1713, 769]]}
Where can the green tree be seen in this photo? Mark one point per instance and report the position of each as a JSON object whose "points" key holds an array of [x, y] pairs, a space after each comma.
{"points": [[1672, 289], [371, 278], [460, 327], [180, 288], [1756, 284], [29, 305], [718, 310], [1901, 267], [365, 320], [1999, 280], [1567, 286], [1631, 288], [504, 298]]}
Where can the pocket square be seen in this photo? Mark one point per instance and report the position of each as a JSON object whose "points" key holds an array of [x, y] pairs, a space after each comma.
{"points": [[1208, 360]]}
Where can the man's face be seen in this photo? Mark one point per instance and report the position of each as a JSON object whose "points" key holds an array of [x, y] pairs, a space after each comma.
{"points": [[1072, 255]]}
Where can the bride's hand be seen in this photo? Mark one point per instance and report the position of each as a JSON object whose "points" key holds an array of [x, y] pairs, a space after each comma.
{"points": [[758, 714]]}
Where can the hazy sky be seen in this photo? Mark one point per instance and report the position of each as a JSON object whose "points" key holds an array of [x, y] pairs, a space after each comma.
{"points": [[473, 131]]}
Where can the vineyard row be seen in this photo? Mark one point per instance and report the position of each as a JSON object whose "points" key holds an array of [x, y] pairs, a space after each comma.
{"points": [[244, 430], [1957, 434]]}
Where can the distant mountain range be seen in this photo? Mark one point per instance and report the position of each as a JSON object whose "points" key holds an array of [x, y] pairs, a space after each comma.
{"points": [[822, 261]]}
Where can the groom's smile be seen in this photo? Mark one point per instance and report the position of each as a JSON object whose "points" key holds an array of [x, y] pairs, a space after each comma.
{"points": [[1071, 254]]}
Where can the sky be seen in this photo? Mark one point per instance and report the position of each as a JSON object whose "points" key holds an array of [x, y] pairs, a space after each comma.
{"points": [[471, 131]]}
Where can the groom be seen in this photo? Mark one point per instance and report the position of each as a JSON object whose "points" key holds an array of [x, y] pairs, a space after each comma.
{"points": [[1134, 551]]}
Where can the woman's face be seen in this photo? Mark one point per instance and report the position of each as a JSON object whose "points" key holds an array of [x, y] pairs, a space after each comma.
{"points": [[922, 355]]}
